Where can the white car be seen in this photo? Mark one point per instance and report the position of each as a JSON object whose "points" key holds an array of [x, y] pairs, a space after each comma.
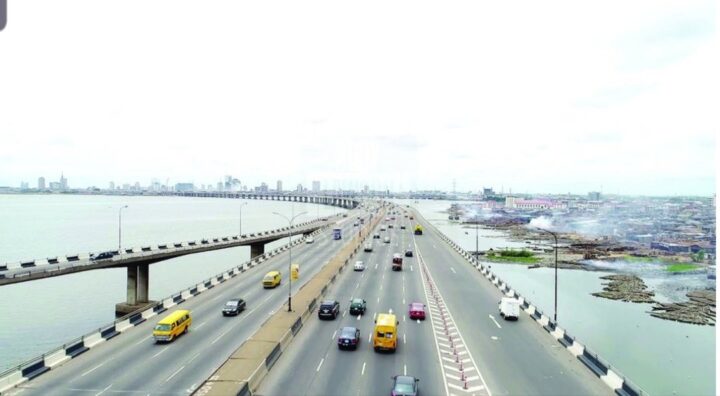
{"points": [[368, 247], [386, 240], [359, 266], [309, 240]]}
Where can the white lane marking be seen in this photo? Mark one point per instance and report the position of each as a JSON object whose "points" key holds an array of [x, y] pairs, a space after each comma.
{"points": [[344, 313], [493, 338], [404, 339], [191, 389], [358, 285], [378, 299], [427, 280], [403, 300], [376, 265], [390, 311], [193, 358], [94, 368], [418, 320], [363, 369], [411, 268], [143, 340], [404, 369], [453, 270], [403, 318], [103, 391], [221, 336], [157, 354], [175, 373], [334, 334], [370, 337], [321, 362], [359, 316], [495, 321], [200, 325]]}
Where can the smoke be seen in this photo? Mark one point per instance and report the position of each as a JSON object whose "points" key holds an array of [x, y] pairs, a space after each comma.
{"points": [[541, 222]]}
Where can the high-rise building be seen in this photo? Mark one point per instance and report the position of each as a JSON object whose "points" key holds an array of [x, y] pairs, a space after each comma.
{"points": [[55, 186], [279, 186], [41, 183], [366, 189], [184, 187], [111, 186], [316, 186], [63, 182], [220, 186], [24, 185], [299, 188], [594, 195]]}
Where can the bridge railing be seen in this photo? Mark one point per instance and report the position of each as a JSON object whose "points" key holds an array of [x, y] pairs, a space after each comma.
{"points": [[620, 384], [54, 264], [31, 368]]}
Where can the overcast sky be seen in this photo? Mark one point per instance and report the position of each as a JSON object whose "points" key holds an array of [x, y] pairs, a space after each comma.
{"points": [[531, 96]]}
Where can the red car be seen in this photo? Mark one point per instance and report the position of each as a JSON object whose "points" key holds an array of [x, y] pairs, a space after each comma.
{"points": [[417, 311]]}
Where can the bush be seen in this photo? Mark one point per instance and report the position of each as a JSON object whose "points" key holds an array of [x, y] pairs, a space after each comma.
{"points": [[516, 253]]}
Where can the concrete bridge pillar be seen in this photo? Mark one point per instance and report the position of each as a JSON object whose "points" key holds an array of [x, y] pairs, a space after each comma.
{"points": [[138, 287], [257, 249]]}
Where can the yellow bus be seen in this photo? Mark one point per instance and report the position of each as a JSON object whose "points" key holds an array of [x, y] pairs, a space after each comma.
{"points": [[172, 326], [385, 334], [271, 279]]}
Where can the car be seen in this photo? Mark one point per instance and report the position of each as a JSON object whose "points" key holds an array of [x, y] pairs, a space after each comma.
{"points": [[368, 247], [309, 240], [404, 385], [387, 239], [355, 224], [359, 266], [357, 306], [408, 253], [387, 219], [397, 258], [402, 227], [329, 309], [376, 236], [349, 338], [233, 307], [390, 226], [382, 228], [416, 310], [102, 256]]}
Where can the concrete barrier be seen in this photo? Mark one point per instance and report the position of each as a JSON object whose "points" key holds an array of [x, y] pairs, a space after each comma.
{"points": [[124, 325], [76, 348], [11, 379], [34, 369], [109, 332], [56, 358], [93, 339]]}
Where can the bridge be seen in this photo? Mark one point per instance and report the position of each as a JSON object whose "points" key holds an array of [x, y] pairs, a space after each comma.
{"points": [[462, 348], [342, 201]]}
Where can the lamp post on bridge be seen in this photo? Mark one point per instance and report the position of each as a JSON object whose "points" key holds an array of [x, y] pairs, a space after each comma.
{"points": [[120, 229], [556, 267], [290, 222]]}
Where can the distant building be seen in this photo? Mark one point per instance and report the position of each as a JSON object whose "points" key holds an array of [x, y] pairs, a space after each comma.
{"points": [[182, 187], [519, 203], [316, 186], [111, 186], [594, 195], [55, 186], [299, 188], [63, 182], [24, 185], [41, 183], [279, 186], [366, 189], [262, 188], [219, 186], [488, 191]]}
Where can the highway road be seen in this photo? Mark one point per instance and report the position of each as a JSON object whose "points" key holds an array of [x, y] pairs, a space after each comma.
{"points": [[132, 363], [498, 357]]}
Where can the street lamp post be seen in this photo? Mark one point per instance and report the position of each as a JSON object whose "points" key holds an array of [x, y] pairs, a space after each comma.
{"points": [[241, 205], [290, 222], [120, 229], [556, 267]]}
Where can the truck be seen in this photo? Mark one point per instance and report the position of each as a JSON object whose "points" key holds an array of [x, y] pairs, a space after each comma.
{"points": [[509, 308], [337, 233], [418, 229]]}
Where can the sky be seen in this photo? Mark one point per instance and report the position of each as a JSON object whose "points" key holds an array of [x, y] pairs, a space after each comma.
{"points": [[528, 97]]}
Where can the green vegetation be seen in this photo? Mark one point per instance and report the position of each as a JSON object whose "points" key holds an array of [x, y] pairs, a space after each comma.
{"points": [[513, 256], [699, 256], [682, 267], [636, 259]]}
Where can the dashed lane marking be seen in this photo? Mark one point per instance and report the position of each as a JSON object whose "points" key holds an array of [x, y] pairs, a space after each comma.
{"points": [[494, 321], [320, 365], [174, 374]]}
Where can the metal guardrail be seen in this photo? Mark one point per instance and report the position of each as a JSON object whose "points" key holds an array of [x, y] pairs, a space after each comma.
{"points": [[160, 303]]}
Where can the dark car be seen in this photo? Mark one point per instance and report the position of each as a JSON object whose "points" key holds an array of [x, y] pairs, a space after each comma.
{"points": [[233, 307], [404, 385], [357, 306], [402, 227], [329, 309], [408, 253], [376, 236], [102, 256], [349, 338]]}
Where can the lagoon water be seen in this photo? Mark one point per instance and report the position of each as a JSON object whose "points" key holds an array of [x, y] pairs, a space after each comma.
{"points": [[662, 357], [39, 226]]}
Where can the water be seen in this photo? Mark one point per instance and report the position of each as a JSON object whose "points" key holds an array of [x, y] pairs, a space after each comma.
{"points": [[663, 357], [38, 226]]}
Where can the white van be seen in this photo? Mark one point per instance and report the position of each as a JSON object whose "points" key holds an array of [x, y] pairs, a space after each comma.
{"points": [[509, 308]]}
